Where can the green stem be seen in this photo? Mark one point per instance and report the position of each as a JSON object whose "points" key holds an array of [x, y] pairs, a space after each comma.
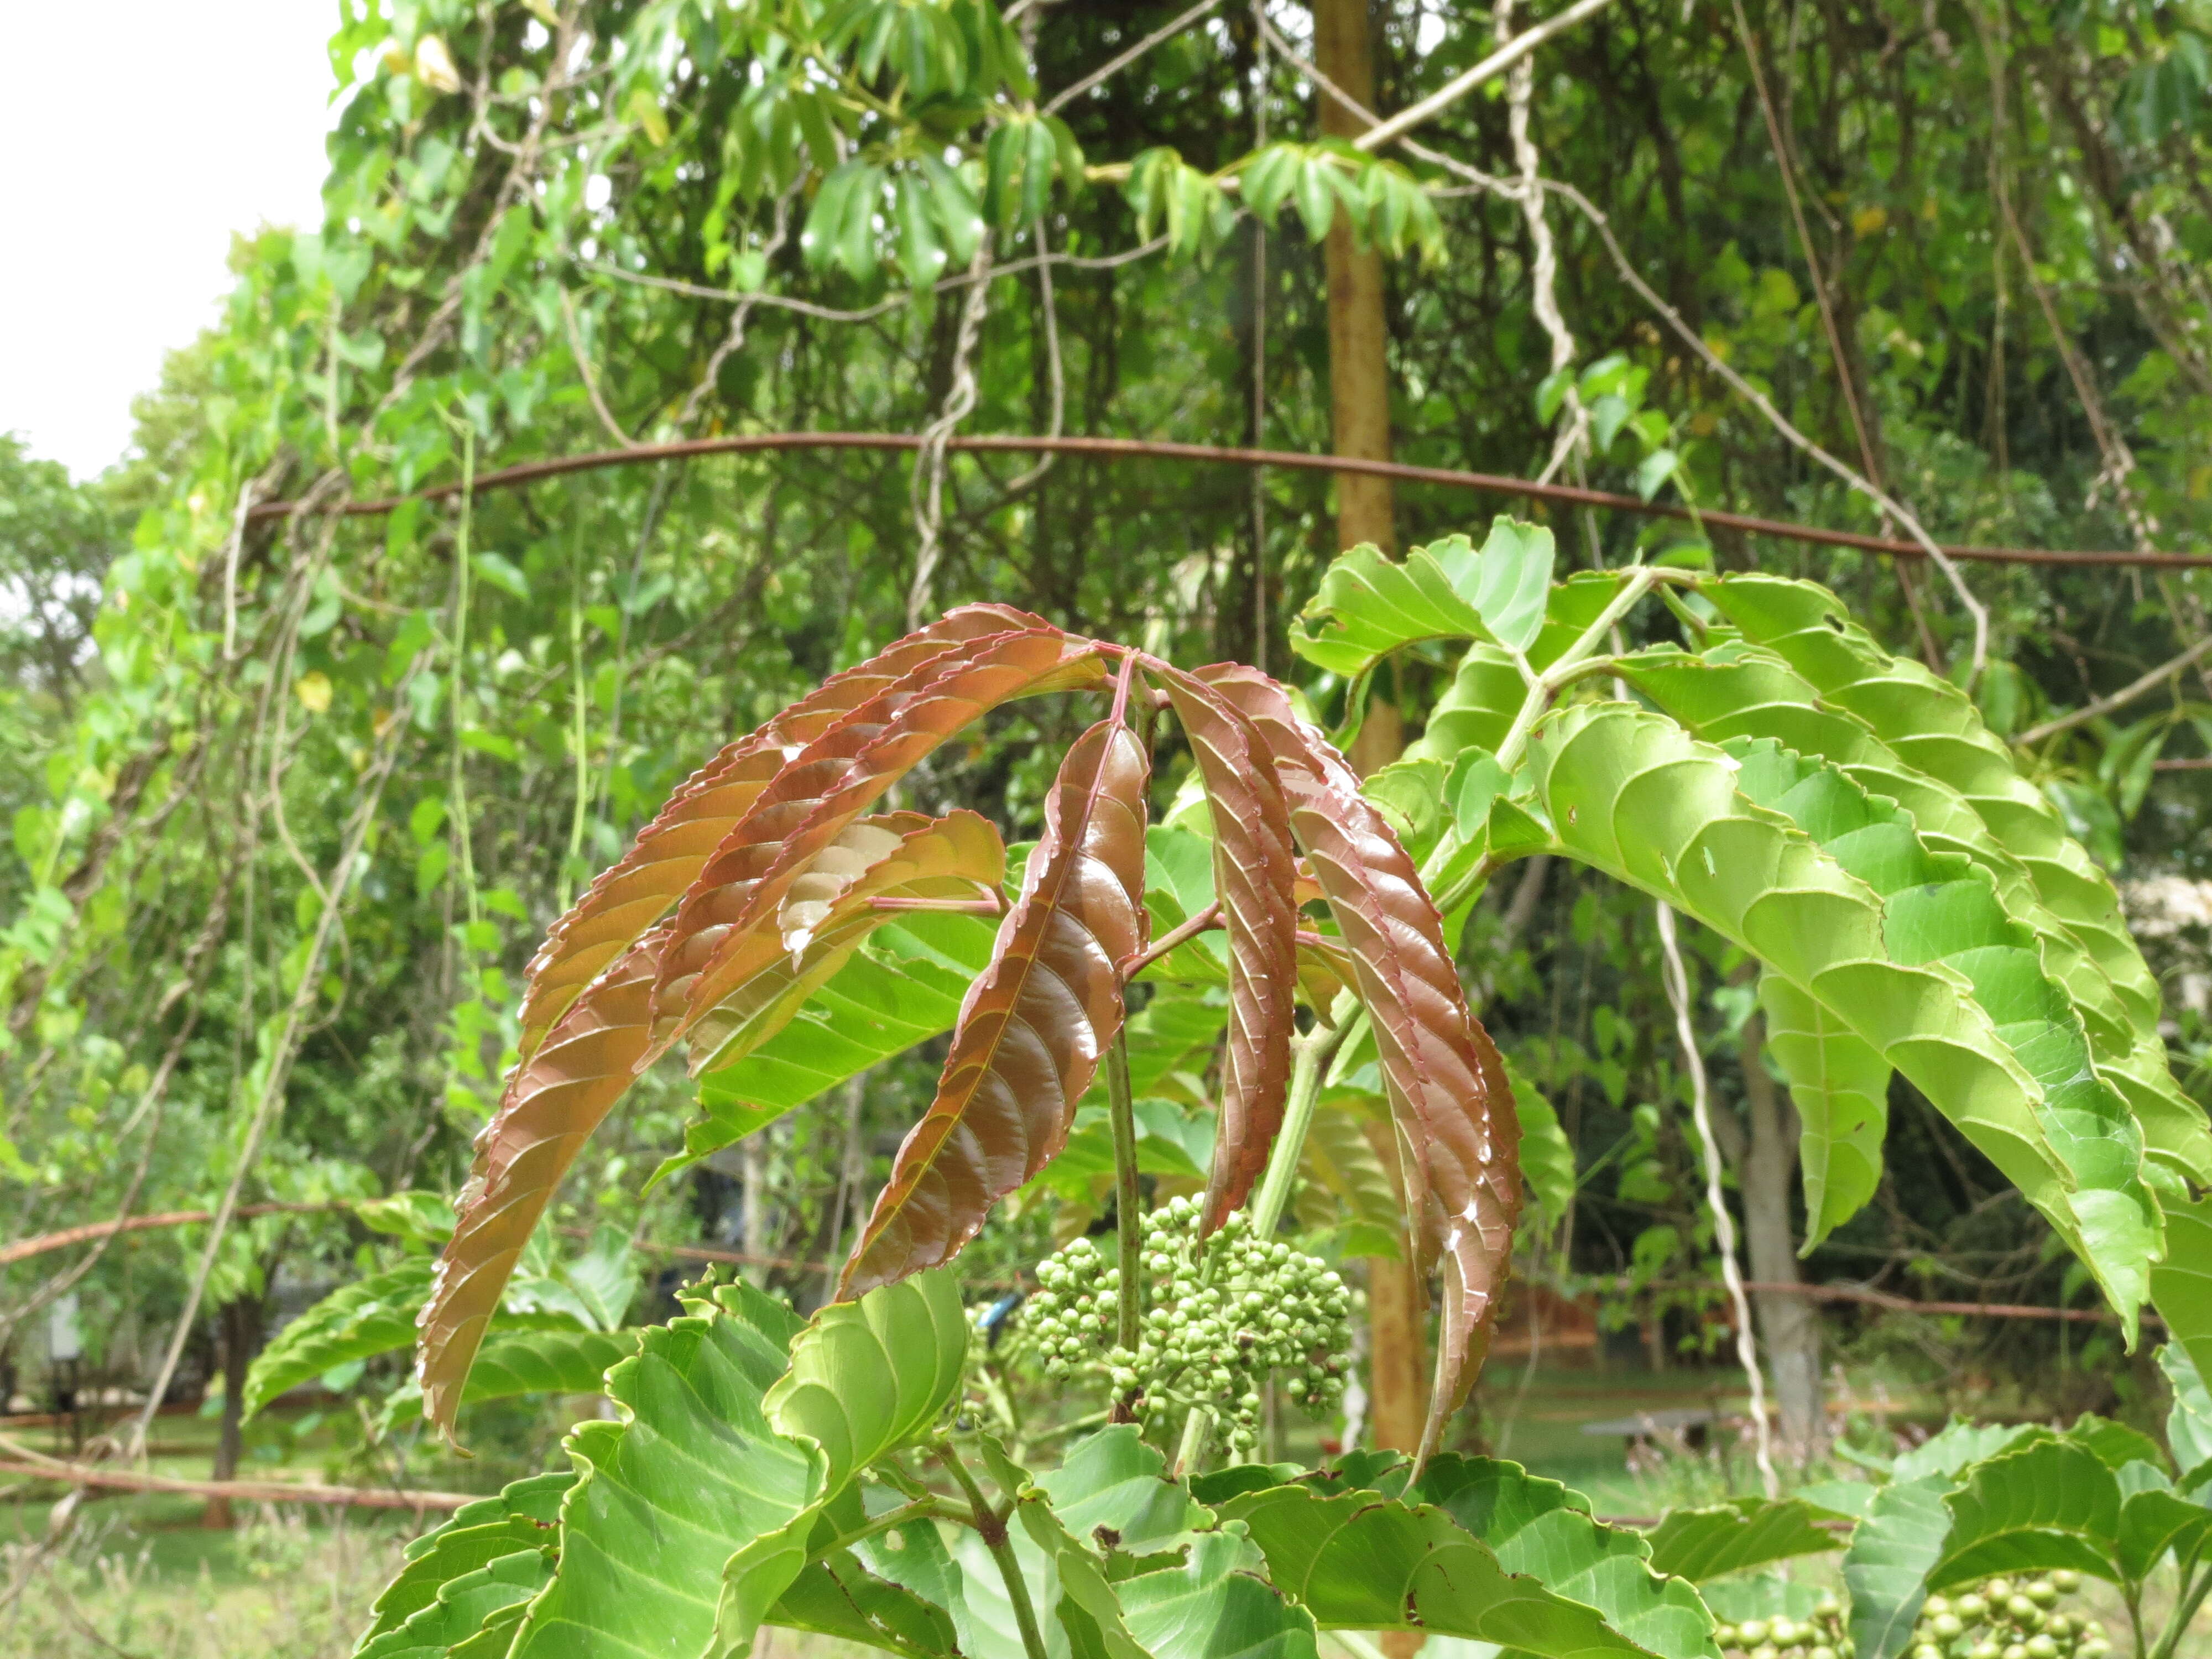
{"points": [[1569, 665], [991, 1526], [1196, 1428], [1307, 1066], [1128, 1202], [2193, 1591]]}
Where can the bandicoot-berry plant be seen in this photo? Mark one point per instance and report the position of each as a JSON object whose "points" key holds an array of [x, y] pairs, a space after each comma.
{"points": [[1837, 815]]}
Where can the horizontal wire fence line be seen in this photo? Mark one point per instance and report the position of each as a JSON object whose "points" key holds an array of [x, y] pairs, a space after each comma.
{"points": [[244, 1492], [86, 1234], [530, 472], [23, 1249], [1900, 1303]]}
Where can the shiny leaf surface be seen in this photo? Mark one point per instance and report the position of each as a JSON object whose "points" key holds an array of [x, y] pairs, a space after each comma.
{"points": [[1034, 1027]]}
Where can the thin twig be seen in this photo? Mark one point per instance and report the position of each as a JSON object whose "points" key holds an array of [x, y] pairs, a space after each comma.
{"points": [[2120, 699], [584, 373], [1939, 554], [926, 487], [1114, 66], [892, 303], [1488, 70], [270, 1104], [1746, 1343], [1056, 381]]}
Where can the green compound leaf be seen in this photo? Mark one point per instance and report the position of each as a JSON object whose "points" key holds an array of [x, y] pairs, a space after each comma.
{"points": [[513, 1363], [2189, 1424], [2047, 1503], [372, 1316], [1886, 1568], [522, 1516], [2156, 1521], [1628, 793], [1368, 607], [1934, 728], [902, 988], [1548, 1157], [2181, 1285], [1079, 1570], [1841, 1090], [866, 1379], [464, 1607], [1498, 1556], [1215, 1605], [1739, 690], [1958, 1445], [871, 1376], [693, 1473], [837, 1596], [1942, 909], [1345, 1184], [2116, 1445], [1114, 1491], [1544, 1530], [1508, 582], [1745, 1532]]}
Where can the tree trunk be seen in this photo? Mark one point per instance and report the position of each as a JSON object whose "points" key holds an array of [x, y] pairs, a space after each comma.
{"points": [[239, 1337], [1358, 356], [1788, 1325], [1397, 1392], [1366, 511]]}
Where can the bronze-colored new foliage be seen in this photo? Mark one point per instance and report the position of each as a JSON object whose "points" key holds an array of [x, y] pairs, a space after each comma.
{"points": [[777, 867]]}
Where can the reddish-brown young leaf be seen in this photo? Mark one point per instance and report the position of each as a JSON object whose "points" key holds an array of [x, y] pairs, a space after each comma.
{"points": [[827, 784], [555, 1099], [1033, 1026], [829, 911], [553, 1102], [1256, 877], [1459, 1138], [630, 896]]}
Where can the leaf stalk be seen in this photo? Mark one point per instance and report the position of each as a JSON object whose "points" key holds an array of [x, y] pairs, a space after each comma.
{"points": [[991, 1527], [1128, 1201], [1204, 921], [1307, 1065]]}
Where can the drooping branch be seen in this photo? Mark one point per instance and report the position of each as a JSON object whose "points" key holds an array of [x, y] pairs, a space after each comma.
{"points": [[531, 472]]}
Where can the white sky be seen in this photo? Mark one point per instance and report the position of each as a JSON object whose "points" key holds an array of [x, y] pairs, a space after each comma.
{"points": [[139, 134]]}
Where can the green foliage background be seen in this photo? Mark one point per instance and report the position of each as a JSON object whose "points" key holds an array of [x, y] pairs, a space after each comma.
{"points": [[546, 254]]}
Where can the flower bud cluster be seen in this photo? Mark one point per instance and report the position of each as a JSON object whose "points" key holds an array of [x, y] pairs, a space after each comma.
{"points": [[2008, 1618], [1996, 1619], [1821, 1637], [1220, 1317]]}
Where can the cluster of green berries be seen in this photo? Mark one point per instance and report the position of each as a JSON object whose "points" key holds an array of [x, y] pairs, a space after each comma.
{"points": [[1220, 1316], [2008, 1619], [1821, 1637]]}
